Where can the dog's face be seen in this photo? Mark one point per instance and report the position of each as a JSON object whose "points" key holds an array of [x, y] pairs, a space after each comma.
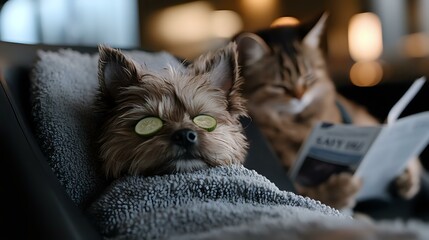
{"points": [[174, 120]]}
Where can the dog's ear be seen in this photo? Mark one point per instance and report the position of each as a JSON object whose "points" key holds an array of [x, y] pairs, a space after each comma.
{"points": [[115, 71], [221, 67]]}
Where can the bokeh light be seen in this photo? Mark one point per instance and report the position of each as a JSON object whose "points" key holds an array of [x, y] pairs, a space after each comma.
{"points": [[258, 7], [366, 74], [285, 21], [194, 22], [183, 23], [225, 23], [365, 37], [416, 45]]}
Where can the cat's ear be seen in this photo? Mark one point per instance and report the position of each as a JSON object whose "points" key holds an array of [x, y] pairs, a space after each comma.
{"points": [[251, 48], [221, 67], [312, 38], [115, 71]]}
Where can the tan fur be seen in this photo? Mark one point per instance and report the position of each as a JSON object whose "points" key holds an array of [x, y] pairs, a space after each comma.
{"points": [[129, 93], [286, 99]]}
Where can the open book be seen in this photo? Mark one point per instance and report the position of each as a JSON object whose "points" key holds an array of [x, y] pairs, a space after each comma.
{"points": [[376, 154]]}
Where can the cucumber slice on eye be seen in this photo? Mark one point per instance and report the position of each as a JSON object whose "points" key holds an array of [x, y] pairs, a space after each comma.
{"points": [[206, 122], [148, 126]]}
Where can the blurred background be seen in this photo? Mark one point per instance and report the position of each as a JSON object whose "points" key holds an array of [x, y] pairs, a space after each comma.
{"points": [[367, 42]]}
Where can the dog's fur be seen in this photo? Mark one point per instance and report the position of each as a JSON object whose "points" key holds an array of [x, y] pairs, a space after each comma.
{"points": [[129, 92]]}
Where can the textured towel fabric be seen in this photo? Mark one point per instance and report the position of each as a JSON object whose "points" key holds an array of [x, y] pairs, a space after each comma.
{"points": [[158, 207], [63, 87]]}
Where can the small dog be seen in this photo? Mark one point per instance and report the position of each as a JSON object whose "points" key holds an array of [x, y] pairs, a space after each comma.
{"points": [[174, 120]]}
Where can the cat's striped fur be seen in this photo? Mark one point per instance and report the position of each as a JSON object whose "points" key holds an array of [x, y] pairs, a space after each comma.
{"points": [[288, 89]]}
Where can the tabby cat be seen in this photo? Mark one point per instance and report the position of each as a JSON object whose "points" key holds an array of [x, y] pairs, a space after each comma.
{"points": [[288, 89]]}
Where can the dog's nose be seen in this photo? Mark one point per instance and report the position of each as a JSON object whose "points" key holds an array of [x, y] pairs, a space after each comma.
{"points": [[185, 137]]}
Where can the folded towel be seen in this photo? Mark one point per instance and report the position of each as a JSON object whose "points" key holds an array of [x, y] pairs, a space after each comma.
{"points": [[63, 88], [137, 207]]}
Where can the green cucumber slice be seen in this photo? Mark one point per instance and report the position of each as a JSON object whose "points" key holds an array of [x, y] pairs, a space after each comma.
{"points": [[148, 126], [206, 122]]}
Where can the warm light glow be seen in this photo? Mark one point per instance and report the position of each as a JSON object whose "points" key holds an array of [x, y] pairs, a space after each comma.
{"points": [[285, 21], [416, 45], [225, 23], [183, 23], [366, 74], [194, 22], [365, 37], [258, 7]]}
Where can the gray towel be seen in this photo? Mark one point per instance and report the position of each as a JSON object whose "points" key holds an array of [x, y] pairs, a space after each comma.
{"points": [[63, 88], [158, 207]]}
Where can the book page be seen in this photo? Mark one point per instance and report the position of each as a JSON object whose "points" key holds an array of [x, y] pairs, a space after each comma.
{"points": [[404, 100], [389, 154], [331, 149]]}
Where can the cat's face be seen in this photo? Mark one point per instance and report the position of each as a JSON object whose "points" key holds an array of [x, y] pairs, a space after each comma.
{"points": [[156, 122], [284, 69]]}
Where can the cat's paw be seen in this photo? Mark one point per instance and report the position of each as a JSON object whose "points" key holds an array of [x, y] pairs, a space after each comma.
{"points": [[408, 183], [338, 191]]}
